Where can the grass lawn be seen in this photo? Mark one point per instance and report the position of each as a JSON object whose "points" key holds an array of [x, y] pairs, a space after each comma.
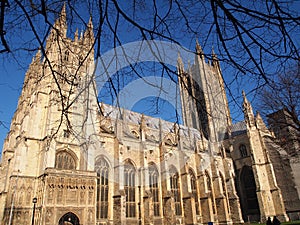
{"points": [[297, 222]]}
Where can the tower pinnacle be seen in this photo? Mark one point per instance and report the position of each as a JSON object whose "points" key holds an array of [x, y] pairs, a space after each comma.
{"points": [[248, 112], [199, 50], [180, 66]]}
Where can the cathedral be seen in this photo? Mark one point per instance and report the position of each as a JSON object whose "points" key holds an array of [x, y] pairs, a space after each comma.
{"points": [[69, 159]]}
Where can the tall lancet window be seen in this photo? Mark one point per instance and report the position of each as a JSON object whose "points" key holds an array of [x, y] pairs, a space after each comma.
{"points": [[64, 160], [154, 188], [129, 187], [102, 170], [194, 190], [175, 189]]}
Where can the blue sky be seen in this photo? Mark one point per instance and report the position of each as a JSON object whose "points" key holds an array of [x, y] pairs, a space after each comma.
{"points": [[13, 66]]}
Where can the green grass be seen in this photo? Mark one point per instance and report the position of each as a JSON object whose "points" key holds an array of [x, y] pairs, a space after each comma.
{"points": [[296, 222], [292, 222]]}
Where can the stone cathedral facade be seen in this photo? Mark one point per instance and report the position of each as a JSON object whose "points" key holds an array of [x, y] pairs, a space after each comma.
{"points": [[90, 163]]}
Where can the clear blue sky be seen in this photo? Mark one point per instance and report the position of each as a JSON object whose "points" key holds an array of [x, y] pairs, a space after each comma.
{"points": [[13, 68]]}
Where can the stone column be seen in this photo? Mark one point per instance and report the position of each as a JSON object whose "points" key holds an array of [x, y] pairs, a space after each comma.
{"points": [[148, 208], [205, 201], [169, 210], [221, 201], [234, 203], [189, 210], [119, 213]]}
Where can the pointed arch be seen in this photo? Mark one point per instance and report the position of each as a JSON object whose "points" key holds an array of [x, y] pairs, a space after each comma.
{"points": [[249, 199], [135, 133], [65, 159], [243, 150], [129, 188], [102, 169], [169, 140]]}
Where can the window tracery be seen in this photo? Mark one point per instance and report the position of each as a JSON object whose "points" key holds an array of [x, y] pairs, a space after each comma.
{"points": [[65, 160], [243, 150], [154, 188], [129, 187], [175, 189], [102, 169]]}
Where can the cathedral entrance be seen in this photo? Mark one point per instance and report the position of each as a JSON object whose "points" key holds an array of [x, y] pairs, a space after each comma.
{"points": [[69, 219], [249, 202]]}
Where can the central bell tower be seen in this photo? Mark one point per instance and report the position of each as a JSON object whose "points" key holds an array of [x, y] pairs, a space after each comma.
{"points": [[203, 96]]}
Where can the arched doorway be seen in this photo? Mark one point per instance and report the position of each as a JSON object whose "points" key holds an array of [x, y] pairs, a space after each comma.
{"points": [[69, 219], [249, 199]]}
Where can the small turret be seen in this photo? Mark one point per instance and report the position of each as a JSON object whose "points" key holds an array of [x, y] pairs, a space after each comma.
{"points": [[248, 112], [37, 58], [215, 61], [260, 124], [199, 50], [59, 30], [76, 35], [88, 36], [61, 23], [180, 66]]}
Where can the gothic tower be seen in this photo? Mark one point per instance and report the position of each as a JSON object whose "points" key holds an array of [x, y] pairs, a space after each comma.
{"points": [[203, 97], [52, 128], [268, 193], [88, 164]]}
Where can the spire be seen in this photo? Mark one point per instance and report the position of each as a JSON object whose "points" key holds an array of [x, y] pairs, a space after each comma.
{"points": [[88, 36], [248, 112], [63, 14], [215, 61], [260, 123], [199, 50], [61, 23], [76, 35], [180, 66], [36, 60], [38, 56]]}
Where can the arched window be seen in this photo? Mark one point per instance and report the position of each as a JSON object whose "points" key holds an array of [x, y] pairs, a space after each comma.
{"points": [[102, 170], [153, 183], [243, 151], [194, 189], [65, 160], [129, 187], [175, 189]]}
